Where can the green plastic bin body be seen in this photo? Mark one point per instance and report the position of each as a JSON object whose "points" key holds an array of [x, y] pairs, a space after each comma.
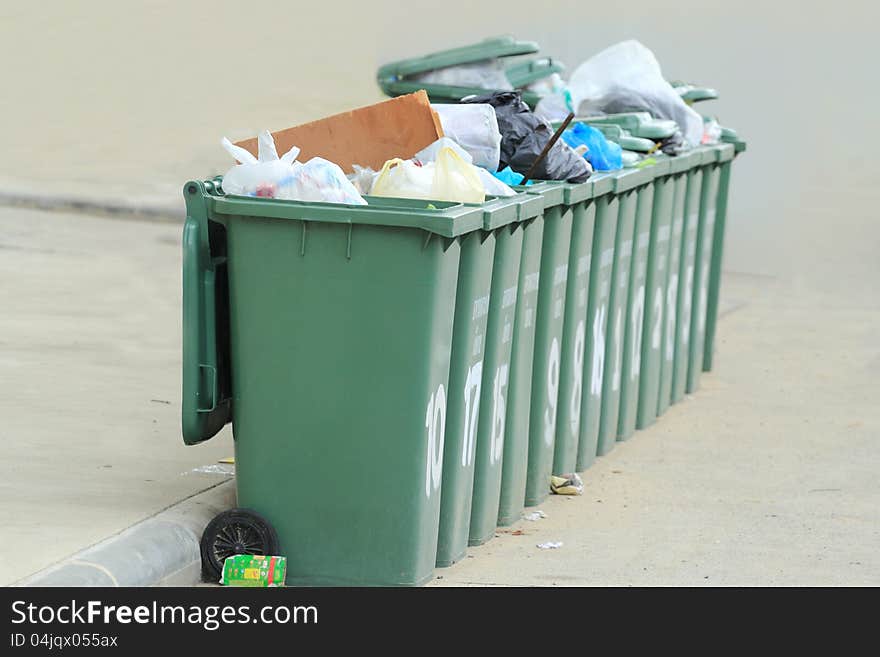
{"points": [[549, 322], [685, 295], [324, 301], [574, 333], [670, 323], [635, 314], [626, 182], [655, 290], [705, 234], [514, 464], [463, 393], [492, 429], [601, 268], [718, 254]]}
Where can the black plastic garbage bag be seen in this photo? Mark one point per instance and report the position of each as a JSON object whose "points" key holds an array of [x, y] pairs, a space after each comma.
{"points": [[524, 135]]}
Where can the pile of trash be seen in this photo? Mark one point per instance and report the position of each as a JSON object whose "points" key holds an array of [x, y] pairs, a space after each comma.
{"points": [[485, 145], [463, 153], [620, 81]]}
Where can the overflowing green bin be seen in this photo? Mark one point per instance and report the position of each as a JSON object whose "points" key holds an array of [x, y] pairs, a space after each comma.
{"points": [[324, 333], [739, 146], [493, 429], [514, 464], [627, 184], [669, 185], [579, 199], [635, 314], [607, 205], [463, 398], [685, 278], [549, 324], [714, 157], [673, 268]]}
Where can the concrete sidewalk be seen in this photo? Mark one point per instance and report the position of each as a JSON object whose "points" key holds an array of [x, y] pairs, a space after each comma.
{"points": [[90, 362]]}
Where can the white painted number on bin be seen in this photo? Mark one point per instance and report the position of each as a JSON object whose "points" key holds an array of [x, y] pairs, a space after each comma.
{"points": [[578, 376], [496, 447], [704, 295], [671, 301], [471, 412], [435, 423], [618, 349], [598, 365], [552, 392], [658, 319], [636, 332], [688, 297]]}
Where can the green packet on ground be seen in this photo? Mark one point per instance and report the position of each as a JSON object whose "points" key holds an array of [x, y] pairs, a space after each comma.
{"points": [[253, 570]]}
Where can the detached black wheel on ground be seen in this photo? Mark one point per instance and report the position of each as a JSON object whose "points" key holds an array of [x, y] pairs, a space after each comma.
{"points": [[237, 531]]}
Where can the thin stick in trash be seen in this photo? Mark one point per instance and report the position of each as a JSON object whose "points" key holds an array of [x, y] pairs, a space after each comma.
{"points": [[547, 148]]}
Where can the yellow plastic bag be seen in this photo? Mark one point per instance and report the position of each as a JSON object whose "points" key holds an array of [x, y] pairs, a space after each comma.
{"points": [[456, 180], [449, 178]]}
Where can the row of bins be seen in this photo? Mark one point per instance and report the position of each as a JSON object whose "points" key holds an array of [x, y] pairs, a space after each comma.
{"points": [[403, 377]]}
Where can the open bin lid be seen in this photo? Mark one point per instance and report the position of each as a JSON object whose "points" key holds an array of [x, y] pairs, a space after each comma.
{"points": [[393, 80], [639, 124], [522, 74], [617, 134], [693, 94]]}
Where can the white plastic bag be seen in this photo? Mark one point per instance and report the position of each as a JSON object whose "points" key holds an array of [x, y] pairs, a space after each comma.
{"points": [[449, 178], [269, 176], [474, 127], [362, 178], [266, 175], [430, 152], [494, 187], [322, 180], [627, 77], [487, 74]]}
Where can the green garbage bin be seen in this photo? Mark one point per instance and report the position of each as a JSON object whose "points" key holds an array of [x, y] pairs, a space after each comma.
{"points": [[686, 161], [469, 338], [667, 182], [396, 78], [579, 199], [607, 206], [330, 355], [627, 183], [685, 292], [492, 428], [635, 315], [712, 167], [549, 323], [514, 463], [731, 137]]}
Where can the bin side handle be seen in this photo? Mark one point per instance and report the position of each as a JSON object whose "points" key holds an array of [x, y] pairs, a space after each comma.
{"points": [[206, 403]]}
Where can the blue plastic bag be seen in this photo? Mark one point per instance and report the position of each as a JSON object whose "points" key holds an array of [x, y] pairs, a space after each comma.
{"points": [[602, 154], [509, 177]]}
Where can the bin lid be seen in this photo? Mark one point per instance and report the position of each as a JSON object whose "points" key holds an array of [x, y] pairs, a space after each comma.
{"points": [[639, 124], [627, 179], [603, 181], [492, 48], [521, 74], [627, 142], [552, 191], [691, 93]]}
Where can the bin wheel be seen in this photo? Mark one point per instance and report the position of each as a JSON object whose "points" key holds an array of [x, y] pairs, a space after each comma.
{"points": [[237, 531]]}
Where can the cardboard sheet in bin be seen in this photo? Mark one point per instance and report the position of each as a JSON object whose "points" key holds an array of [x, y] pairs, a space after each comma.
{"points": [[368, 136]]}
